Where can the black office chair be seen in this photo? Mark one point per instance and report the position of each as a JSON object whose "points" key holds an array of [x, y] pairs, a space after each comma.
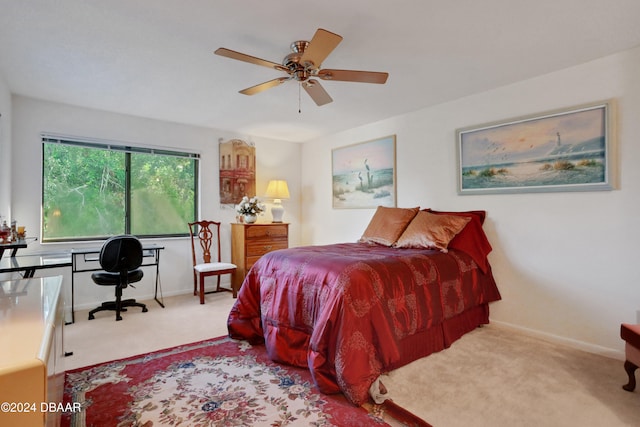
{"points": [[120, 257]]}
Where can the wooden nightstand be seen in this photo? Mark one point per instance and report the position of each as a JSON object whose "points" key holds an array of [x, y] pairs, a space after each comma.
{"points": [[250, 241]]}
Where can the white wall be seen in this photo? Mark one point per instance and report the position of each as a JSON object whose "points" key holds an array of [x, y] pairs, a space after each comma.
{"points": [[31, 117], [564, 262], [5, 150]]}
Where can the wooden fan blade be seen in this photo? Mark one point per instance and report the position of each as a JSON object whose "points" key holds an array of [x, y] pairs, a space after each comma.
{"points": [[317, 92], [263, 86], [320, 46], [353, 76], [248, 58]]}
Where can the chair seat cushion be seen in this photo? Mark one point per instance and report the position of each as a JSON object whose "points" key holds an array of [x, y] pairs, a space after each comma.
{"points": [[214, 266], [104, 278]]}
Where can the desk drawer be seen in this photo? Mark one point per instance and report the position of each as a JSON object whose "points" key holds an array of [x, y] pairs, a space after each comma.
{"points": [[271, 231], [261, 248]]}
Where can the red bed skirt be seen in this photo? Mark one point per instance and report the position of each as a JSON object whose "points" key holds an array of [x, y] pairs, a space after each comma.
{"points": [[440, 337]]}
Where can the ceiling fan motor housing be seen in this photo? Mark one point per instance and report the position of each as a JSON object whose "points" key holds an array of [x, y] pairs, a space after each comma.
{"points": [[298, 71]]}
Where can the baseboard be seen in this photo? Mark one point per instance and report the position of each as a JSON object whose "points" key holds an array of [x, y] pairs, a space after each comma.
{"points": [[556, 339]]}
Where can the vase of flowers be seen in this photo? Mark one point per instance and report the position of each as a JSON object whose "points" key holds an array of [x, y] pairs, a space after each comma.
{"points": [[250, 208]]}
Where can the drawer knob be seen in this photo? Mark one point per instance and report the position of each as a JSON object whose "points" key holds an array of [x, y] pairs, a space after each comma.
{"points": [[267, 247]]}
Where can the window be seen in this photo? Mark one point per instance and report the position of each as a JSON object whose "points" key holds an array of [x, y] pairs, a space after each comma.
{"points": [[92, 191]]}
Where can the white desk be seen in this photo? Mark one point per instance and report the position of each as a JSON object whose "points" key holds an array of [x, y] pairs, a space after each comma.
{"points": [[31, 349]]}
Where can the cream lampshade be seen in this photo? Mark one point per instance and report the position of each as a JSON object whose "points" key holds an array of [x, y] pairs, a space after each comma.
{"points": [[277, 190]]}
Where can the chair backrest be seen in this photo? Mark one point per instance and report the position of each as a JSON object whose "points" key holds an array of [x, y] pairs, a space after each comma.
{"points": [[207, 233], [121, 253]]}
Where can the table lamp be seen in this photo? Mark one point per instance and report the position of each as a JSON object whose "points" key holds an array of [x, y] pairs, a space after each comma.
{"points": [[277, 190]]}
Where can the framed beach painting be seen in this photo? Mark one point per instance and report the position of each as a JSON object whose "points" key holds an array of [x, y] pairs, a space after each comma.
{"points": [[364, 174], [568, 150]]}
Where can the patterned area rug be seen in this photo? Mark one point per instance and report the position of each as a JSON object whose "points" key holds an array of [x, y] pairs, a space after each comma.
{"points": [[219, 382]]}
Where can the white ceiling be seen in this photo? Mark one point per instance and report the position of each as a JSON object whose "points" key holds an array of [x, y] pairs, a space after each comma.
{"points": [[155, 58]]}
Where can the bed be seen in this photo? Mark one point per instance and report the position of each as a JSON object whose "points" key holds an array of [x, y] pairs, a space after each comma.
{"points": [[350, 312]]}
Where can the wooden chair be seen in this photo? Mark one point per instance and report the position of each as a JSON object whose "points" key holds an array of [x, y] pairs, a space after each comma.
{"points": [[207, 233]]}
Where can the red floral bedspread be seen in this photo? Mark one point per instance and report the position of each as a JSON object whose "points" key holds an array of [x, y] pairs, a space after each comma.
{"points": [[346, 310]]}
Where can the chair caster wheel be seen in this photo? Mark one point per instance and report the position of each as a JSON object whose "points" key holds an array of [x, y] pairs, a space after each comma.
{"points": [[144, 310], [118, 318], [91, 317]]}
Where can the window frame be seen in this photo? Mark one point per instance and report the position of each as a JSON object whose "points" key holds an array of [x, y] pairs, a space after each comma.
{"points": [[128, 150]]}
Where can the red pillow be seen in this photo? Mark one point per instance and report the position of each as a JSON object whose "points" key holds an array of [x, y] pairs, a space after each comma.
{"points": [[481, 215], [471, 239]]}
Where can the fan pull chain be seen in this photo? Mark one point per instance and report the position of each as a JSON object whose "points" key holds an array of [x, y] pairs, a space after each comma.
{"points": [[299, 98]]}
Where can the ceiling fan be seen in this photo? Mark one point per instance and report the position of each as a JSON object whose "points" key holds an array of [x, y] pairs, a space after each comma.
{"points": [[303, 65]]}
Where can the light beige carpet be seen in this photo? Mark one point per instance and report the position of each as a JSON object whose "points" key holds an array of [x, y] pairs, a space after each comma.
{"points": [[495, 377], [490, 377]]}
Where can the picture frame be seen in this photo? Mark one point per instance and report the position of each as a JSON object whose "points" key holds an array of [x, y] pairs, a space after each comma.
{"points": [[563, 150], [237, 170], [364, 174]]}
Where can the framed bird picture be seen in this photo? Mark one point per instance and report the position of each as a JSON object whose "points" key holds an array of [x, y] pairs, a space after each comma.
{"points": [[364, 174]]}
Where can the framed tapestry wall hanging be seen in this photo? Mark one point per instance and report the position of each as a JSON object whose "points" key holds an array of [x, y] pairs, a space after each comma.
{"points": [[237, 171]]}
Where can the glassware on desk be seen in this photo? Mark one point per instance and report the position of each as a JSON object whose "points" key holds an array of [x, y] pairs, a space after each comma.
{"points": [[5, 231]]}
